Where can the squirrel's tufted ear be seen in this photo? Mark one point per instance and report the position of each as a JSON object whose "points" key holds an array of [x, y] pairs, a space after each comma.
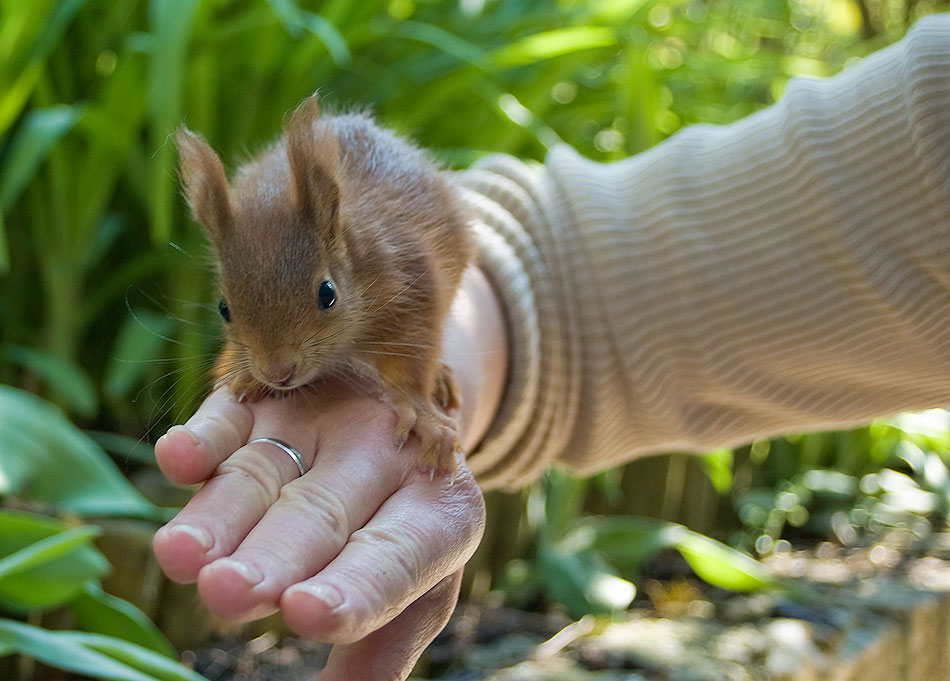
{"points": [[313, 152], [205, 184]]}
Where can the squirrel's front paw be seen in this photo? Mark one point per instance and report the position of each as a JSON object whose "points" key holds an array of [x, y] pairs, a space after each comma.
{"points": [[245, 388], [438, 435]]}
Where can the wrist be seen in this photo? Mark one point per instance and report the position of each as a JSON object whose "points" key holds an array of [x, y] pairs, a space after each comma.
{"points": [[475, 346]]}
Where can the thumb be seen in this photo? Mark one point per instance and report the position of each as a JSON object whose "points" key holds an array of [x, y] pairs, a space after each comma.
{"points": [[389, 653]]}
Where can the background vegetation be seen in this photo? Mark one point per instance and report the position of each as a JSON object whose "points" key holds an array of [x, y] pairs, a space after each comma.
{"points": [[105, 287]]}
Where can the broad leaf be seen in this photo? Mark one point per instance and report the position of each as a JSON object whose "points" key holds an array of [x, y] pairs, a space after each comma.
{"points": [[44, 457], [66, 379], [582, 582], [102, 613], [722, 566], [43, 562], [100, 657]]}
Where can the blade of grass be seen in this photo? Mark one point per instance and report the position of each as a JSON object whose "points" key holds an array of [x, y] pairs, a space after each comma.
{"points": [[549, 44], [172, 22], [296, 20], [34, 139], [26, 70], [4, 249]]}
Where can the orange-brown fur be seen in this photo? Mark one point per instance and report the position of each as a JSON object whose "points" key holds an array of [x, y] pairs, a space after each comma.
{"points": [[339, 199]]}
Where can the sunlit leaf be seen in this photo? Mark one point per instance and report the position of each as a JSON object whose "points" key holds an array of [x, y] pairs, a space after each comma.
{"points": [[722, 566], [24, 68], [718, 467], [615, 11], [549, 44]]}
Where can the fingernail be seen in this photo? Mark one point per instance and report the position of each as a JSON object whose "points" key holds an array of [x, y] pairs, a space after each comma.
{"points": [[329, 595], [204, 539], [248, 573], [184, 429]]}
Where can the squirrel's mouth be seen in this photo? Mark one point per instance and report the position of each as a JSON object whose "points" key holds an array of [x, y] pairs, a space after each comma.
{"points": [[283, 380]]}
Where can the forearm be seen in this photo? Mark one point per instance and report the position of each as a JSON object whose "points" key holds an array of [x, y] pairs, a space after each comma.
{"points": [[475, 346], [785, 273]]}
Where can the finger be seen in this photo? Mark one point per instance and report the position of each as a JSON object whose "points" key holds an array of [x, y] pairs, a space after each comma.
{"points": [[189, 453], [312, 518], [391, 652], [223, 511], [423, 532]]}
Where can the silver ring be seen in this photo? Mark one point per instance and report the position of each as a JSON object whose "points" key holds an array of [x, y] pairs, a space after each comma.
{"points": [[290, 451]]}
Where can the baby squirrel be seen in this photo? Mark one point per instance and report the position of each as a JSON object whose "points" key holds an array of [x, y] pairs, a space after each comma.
{"points": [[339, 251]]}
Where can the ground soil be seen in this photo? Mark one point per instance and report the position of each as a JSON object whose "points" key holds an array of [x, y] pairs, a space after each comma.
{"points": [[483, 643]]}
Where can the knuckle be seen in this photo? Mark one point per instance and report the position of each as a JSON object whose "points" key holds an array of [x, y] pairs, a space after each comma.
{"points": [[400, 542], [319, 503], [255, 474], [221, 431]]}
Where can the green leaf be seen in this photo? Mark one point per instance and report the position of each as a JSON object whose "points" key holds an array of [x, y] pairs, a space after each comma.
{"points": [[25, 67], [124, 447], [44, 563], [629, 541], [100, 657], [136, 657], [41, 129], [4, 249], [443, 40], [549, 44], [722, 566], [718, 467], [102, 613], [45, 458], [582, 582], [296, 19], [616, 11], [140, 341], [66, 379], [172, 22]]}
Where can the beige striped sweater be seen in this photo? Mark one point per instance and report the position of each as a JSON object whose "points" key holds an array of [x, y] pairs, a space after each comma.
{"points": [[789, 272]]}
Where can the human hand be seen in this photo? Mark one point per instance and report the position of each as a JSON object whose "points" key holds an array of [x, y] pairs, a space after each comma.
{"points": [[364, 550]]}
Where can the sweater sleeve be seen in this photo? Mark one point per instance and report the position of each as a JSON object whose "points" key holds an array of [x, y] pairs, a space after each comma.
{"points": [[789, 272]]}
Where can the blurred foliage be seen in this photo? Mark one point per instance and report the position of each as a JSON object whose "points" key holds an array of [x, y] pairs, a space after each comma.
{"points": [[888, 482], [579, 559], [50, 566], [103, 305], [105, 284]]}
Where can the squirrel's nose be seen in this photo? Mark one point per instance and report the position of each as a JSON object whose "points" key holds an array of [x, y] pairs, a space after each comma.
{"points": [[281, 375]]}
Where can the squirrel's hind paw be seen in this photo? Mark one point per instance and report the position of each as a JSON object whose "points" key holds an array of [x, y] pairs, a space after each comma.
{"points": [[438, 436]]}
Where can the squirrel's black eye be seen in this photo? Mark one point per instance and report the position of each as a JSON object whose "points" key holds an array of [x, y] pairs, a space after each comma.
{"points": [[223, 309], [326, 295]]}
